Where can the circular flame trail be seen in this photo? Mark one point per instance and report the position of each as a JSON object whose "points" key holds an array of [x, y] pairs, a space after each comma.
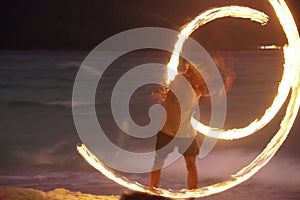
{"points": [[292, 61], [283, 88], [204, 18]]}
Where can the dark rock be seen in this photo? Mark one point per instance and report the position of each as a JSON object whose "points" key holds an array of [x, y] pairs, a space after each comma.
{"points": [[141, 196]]}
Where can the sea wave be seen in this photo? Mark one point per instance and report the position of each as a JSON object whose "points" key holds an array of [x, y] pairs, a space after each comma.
{"points": [[11, 87], [58, 103]]}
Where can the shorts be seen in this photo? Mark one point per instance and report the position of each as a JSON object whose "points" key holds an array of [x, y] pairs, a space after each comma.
{"points": [[186, 146]]}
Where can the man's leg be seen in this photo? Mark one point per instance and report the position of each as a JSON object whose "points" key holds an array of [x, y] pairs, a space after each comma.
{"points": [[155, 174], [190, 162], [192, 171]]}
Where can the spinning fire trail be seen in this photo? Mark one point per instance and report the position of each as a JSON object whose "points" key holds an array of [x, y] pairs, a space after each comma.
{"points": [[290, 82]]}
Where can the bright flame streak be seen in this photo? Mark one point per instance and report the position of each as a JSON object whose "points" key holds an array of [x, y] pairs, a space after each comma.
{"points": [[283, 88], [93, 161], [257, 124], [204, 18], [237, 133], [293, 61]]}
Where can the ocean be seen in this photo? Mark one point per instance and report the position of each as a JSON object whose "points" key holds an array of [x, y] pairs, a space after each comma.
{"points": [[38, 137]]}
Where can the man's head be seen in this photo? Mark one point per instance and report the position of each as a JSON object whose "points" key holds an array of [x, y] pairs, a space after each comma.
{"points": [[193, 77]]}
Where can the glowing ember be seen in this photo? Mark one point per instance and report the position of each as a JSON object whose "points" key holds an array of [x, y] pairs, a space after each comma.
{"points": [[292, 67]]}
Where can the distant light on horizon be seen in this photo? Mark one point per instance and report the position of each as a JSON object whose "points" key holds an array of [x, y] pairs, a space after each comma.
{"points": [[270, 47]]}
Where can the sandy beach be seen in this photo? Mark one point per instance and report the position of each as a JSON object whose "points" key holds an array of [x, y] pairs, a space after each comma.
{"points": [[12, 193]]}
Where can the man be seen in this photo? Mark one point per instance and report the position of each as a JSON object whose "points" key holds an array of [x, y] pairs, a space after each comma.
{"points": [[178, 124], [185, 134]]}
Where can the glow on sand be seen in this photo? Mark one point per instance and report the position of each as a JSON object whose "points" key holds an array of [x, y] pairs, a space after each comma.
{"points": [[292, 63]]}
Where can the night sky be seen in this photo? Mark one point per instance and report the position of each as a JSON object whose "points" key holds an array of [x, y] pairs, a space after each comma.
{"points": [[82, 24]]}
